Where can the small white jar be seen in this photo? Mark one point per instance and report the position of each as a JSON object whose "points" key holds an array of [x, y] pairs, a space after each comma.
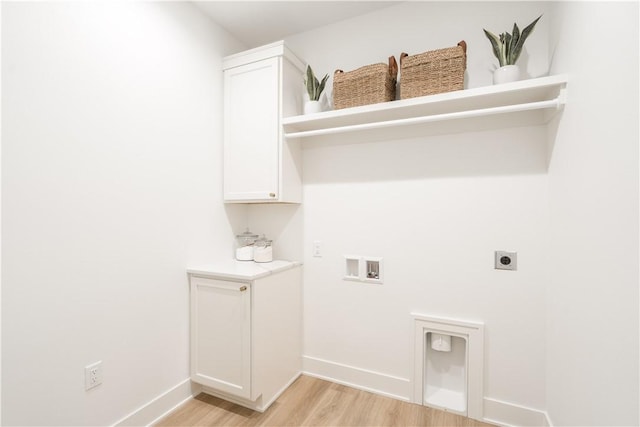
{"points": [[245, 245], [263, 250]]}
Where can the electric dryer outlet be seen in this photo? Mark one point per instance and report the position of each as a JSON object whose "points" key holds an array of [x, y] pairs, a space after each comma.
{"points": [[506, 260]]}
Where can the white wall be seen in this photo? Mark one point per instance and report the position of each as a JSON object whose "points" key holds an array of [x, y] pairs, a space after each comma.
{"points": [[0, 231], [592, 367], [434, 207], [281, 223], [111, 186]]}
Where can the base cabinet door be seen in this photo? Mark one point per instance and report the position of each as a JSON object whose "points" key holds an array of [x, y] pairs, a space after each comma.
{"points": [[221, 335]]}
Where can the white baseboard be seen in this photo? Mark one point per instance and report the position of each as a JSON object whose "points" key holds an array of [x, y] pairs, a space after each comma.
{"points": [[157, 408], [510, 414], [258, 405], [254, 406], [363, 379], [282, 390], [547, 420], [495, 411]]}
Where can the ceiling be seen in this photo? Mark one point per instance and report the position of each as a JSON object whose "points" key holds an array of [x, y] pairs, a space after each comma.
{"points": [[256, 23]]}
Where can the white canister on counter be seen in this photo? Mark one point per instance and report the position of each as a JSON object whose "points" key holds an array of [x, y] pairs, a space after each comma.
{"points": [[263, 250], [245, 245]]}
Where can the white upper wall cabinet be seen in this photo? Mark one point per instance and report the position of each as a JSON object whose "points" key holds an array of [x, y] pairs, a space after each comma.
{"points": [[261, 86]]}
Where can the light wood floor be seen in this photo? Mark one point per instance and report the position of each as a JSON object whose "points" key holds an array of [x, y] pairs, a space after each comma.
{"points": [[313, 402]]}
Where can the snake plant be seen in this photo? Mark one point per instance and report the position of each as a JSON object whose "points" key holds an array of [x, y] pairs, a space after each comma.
{"points": [[507, 47], [314, 87]]}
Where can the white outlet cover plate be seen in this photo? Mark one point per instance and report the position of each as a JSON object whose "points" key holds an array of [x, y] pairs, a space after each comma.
{"points": [[93, 375], [506, 260], [317, 248]]}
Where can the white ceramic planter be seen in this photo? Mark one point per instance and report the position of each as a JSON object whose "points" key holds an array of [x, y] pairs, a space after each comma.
{"points": [[506, 74], [311, 107]]}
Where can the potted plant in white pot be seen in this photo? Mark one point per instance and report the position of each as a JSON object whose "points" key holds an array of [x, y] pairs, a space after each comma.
{"points": [[314, 89], [507, 48]]}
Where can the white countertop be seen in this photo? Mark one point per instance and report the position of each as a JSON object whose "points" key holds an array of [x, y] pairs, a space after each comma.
{"points": [[241, 270]]}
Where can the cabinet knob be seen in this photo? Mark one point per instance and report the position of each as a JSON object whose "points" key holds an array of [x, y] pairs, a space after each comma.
{"points": [[243, 288], [272, 194]]}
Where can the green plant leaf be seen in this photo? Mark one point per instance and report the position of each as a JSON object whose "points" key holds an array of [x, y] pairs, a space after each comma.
{"points": [[321, 86], [309, 82], [503, 50], [496, 44], [507, 47], [526, 32], [515, 36], [314, 87]]}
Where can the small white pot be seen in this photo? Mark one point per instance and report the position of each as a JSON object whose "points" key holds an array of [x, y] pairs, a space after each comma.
{"points": [[506, 74], [312, 107]]}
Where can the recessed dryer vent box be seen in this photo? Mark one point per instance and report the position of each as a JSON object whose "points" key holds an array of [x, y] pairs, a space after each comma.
{"points": [[363, 269]]}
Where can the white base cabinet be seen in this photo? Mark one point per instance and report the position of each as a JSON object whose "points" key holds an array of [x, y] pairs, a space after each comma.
{"points": [[246, 333]]}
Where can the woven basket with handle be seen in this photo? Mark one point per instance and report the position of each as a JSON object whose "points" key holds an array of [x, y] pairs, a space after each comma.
{"points": [[432, 72], [366, 85]]}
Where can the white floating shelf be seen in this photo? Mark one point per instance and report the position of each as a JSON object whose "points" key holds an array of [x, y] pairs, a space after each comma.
{"points": [[537, 99]]}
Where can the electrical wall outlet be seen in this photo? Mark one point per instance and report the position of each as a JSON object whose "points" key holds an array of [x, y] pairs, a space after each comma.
{"points": [[93, 375], [506, 260], [317, 248]]}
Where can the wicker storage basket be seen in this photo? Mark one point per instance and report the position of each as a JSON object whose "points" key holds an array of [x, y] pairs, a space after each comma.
{"points": [[366, 85], [432, 72]]}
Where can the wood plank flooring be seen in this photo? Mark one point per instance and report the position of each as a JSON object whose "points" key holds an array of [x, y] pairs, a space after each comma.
{"points": [[314, 402]]}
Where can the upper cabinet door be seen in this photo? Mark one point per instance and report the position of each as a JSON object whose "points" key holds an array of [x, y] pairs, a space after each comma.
{"points": [[251, 131], [261, 86]]}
